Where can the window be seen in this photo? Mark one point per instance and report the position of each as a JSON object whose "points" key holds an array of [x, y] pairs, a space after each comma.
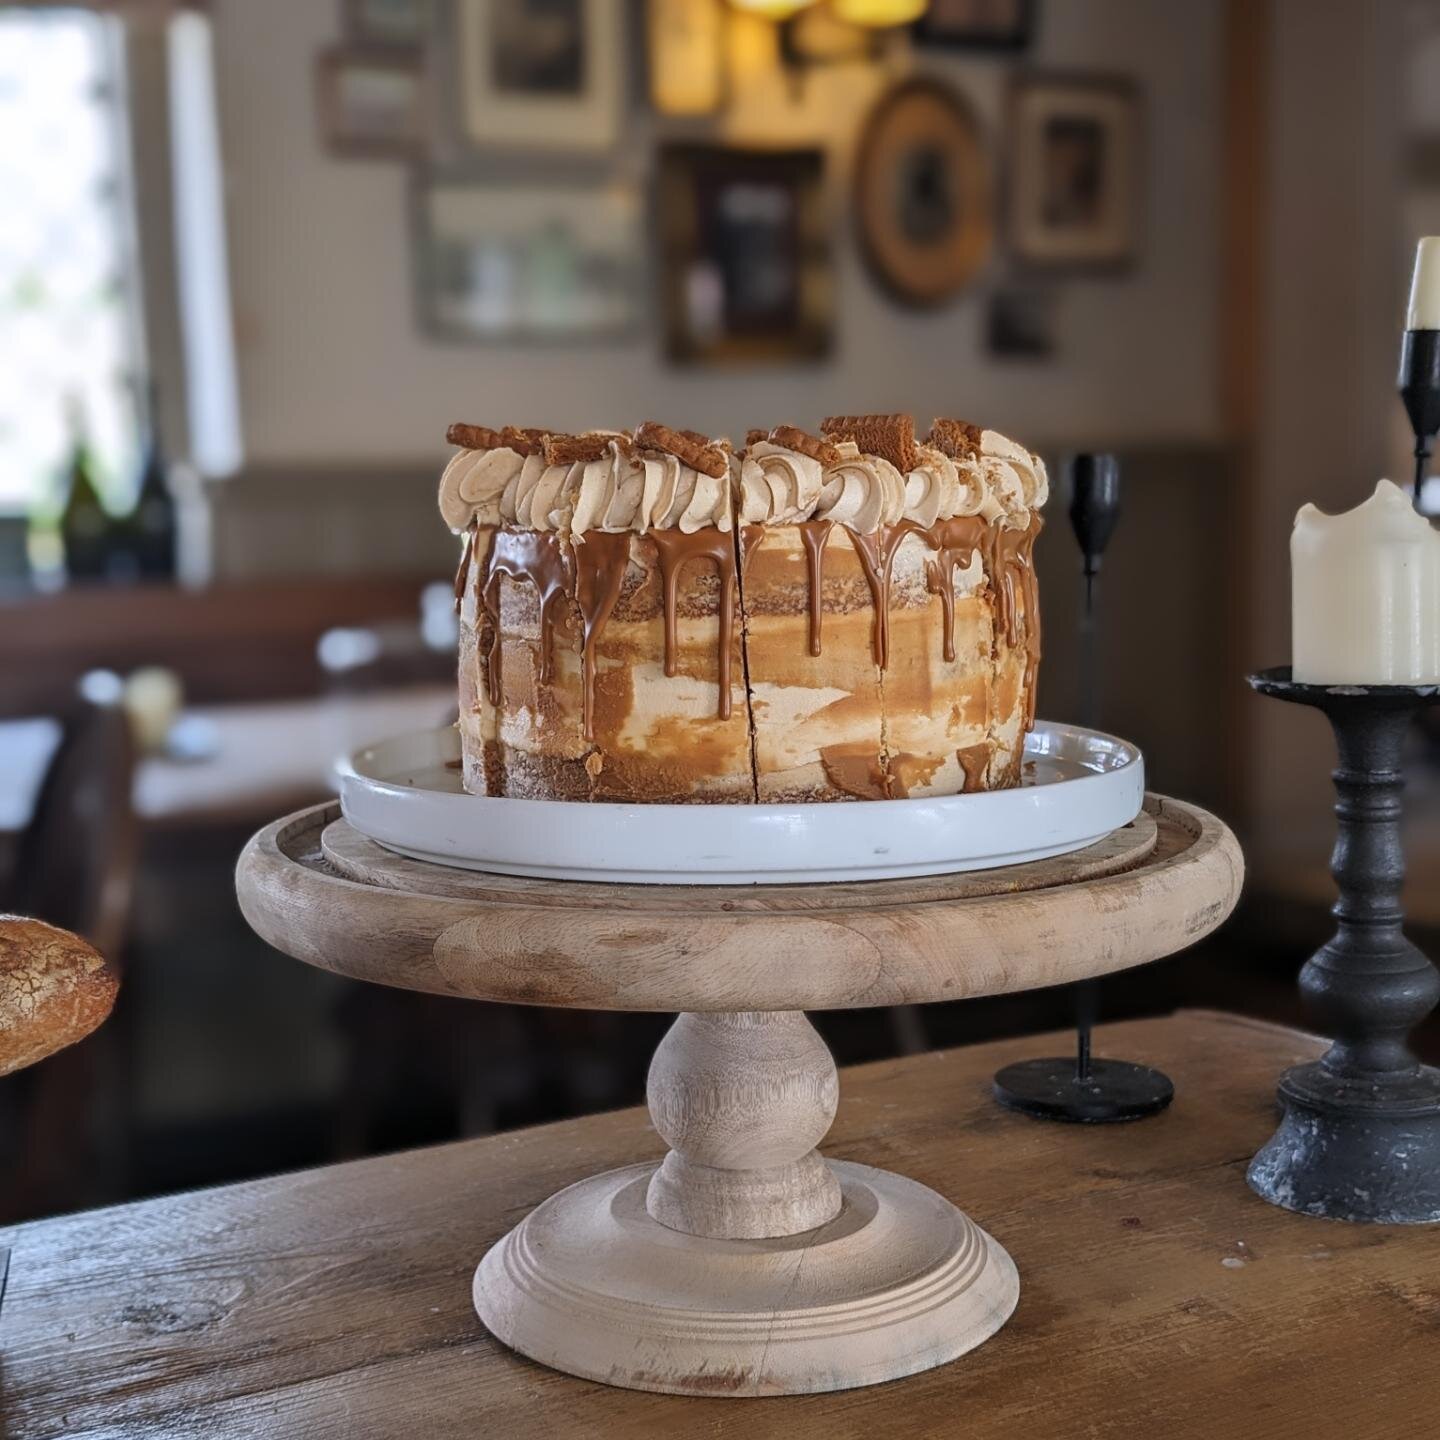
{"points": [[70, 326]]}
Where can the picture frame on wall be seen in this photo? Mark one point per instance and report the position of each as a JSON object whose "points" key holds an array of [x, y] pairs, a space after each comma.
{"points": [[745, 254], [1075, 156], [1003, 25], [539, 75], [400, 23], [371, 102], [501, 262], [924, 193]]}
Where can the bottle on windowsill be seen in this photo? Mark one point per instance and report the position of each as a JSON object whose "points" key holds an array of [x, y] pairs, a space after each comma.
{"points": [[85, 527], [152, 523]]}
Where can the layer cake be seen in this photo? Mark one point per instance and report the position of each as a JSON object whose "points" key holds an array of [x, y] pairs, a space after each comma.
{"points": [[655, 616]]}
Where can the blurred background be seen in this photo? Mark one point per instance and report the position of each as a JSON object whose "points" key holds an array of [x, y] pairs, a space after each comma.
{"points": [[256, 254]]}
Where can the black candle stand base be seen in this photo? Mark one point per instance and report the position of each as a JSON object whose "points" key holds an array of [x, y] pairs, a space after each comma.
{"points": [[1348, 1150], [1108, 1092], [1360, 1135]]}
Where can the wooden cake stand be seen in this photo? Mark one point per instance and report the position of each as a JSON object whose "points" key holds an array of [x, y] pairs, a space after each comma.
{"points": [[744, 1263]]}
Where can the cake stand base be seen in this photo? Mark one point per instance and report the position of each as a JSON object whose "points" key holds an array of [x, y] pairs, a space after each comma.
{"points": [[899, 1281]]}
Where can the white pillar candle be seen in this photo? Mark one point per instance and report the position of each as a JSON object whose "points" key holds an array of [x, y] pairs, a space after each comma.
{"points": [[1365, 594], [1424, 312]]}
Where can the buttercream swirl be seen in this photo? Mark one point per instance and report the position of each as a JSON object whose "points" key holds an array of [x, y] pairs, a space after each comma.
{"points": [[608, 494], [539, 497], [676, 497], [473, 483], [933, 490], [860, 491], [778, 485], [1011, 468]]}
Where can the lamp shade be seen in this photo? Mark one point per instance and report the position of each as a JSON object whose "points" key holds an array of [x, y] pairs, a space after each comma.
{"points": [[878, 14], [774, 9]]}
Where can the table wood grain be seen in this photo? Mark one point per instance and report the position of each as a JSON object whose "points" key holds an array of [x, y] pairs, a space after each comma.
{"points": [[1159, 1297]]}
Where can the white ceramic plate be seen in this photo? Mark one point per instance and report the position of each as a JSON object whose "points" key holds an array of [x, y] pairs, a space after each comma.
{"points": [[406, 794]]}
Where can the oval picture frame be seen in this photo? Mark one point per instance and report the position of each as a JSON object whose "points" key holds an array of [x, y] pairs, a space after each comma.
{"points": [[923, 193]]}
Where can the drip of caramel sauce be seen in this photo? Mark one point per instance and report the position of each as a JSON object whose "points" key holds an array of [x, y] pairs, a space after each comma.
{"points": [[1017, 606], [974, 761], [814, 534], [676, 550], [539, 557], [600, 563], [877, 558], [954, 542]]}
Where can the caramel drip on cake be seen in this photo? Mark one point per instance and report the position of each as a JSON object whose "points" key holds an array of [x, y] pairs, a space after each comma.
{"points": [[600, 562], [974, 761], [536, 556], [675, 549], [815, 534], [955, 541], [877, 557], [1013, 565], [464, 570]]}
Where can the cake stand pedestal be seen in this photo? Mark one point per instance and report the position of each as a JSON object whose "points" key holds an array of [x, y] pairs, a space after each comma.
{"points": [[744, 1263]]}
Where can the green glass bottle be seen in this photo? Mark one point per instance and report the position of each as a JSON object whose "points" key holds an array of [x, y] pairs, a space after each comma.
{"points": [[84, 524], [152, 524]]}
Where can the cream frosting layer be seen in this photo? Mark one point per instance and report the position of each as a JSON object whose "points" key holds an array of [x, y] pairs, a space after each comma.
{"points": [[768, 485]]}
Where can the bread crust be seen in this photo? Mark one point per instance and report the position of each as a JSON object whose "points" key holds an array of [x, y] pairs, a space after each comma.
{"points": [[54, 990]]}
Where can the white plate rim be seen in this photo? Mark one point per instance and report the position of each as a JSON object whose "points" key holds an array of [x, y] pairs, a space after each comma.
{"points": [[1036, 823]]}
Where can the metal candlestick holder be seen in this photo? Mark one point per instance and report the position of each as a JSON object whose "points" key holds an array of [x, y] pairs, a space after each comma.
{"points": [[1419, 384], [1360, 1137], [1085, 1090]]}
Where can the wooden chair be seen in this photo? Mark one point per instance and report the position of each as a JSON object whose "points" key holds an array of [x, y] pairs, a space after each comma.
{"points": [[77, 857], [76, 869]]}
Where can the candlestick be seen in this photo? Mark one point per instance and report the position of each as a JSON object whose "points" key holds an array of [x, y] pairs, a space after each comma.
{"points": [[1419, 377], [1360, 1137], [1086, 1090], [1365, 594]]}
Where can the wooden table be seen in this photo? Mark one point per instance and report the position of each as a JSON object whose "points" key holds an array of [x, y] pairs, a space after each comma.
{"points": [[1160, 1298]]}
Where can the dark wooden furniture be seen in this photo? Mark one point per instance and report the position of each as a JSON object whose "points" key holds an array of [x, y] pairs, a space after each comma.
{"points": [[1160, 1297], [240, 641]]}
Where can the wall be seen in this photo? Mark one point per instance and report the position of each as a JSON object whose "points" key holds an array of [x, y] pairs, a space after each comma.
{"points": [[1336, 266], [333, 369]]}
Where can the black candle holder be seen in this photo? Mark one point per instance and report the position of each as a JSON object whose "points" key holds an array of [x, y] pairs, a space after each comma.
{"points": [[1360, 1136], [1419, 384], [1083, 1090]]}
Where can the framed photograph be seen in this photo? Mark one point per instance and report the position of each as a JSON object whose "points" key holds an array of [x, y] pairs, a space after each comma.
{"points": [[1074, 171], [685, 50], [388, 22], [745, 258], [371, 102], [527, 262], [923, 193], [978, 24], [540, 74]]}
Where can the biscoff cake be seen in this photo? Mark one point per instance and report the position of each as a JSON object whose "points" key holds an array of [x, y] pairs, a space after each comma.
{"points": [[653, 615]]}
